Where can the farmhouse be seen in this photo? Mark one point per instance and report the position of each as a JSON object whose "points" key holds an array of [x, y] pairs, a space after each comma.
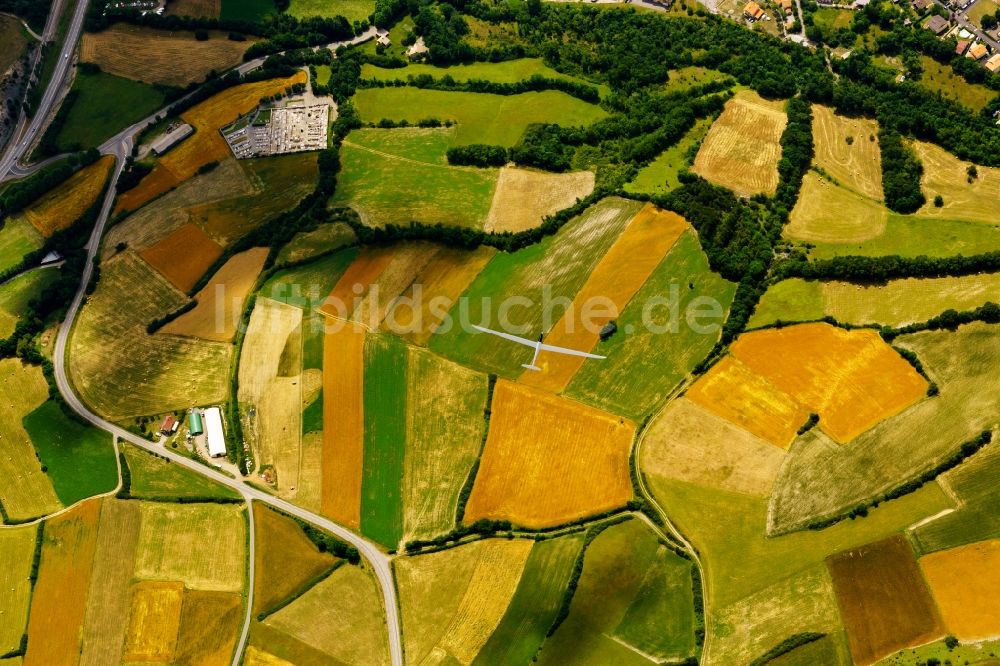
{"points": [[961, 47], [174, 135], [937, 25], [978, 52], [213, 427], [753, 11], [169, 426], [195, 426]]}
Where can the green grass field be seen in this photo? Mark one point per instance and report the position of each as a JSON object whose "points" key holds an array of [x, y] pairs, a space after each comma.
{"points": [[687, 77], [385, 439], [559, 265], [942, 79], [352, 10], [832, 19], [820, 479], [246, 10], [480, 118], [156, 478], [644, 365], [402, 175], [17, 547], [323, 74], [14, 297], [17, 238], [789, 300], [509, 71], [660, 175], [104, 105], [79, 459], [310, 244], [634, 596], [911, 236], [535, 603]]}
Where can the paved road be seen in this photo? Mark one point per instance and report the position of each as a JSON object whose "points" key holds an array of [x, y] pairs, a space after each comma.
{"points": [[24, 138]]}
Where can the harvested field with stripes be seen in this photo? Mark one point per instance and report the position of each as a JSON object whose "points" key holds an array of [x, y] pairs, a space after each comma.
{"points": [[28, 492], [444, 432], [286, 559], [848, 150], [343, 404], [59, 601], [63, 205], [884, 602], [17, 549], [828, 213], [203, 545], [946, 175], [159, 56], [154, 618], [221, 301], [523, 198], [536, 437], [120, 370], [852, 379], [687, 442], [341, 616], [614, 281], [741, 150], [270, 391], [206, 145], [183, 256], [452, 601]]}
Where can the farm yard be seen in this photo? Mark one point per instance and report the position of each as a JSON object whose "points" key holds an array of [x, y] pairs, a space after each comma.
{"points": [[585, 448], [741, 149], [167, 58], [65, 204]]}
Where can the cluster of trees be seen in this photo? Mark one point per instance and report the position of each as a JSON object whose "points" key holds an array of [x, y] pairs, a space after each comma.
{"points": [[534, 83], [479, 155], [879, 270], [22, 193], [160, 322], [327, 543], [796, 155], [901, 171], [443, 28], [948, 320], [482, 527]]}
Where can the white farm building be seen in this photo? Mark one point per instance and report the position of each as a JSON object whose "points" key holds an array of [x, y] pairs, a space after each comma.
{"points": [[213, 432]]}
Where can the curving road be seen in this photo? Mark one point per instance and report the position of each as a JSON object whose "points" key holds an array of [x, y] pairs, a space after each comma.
{"points": [[377, 560], [23, 137]]}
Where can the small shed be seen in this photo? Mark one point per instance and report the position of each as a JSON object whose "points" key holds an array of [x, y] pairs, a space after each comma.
{"points": [[194, 423]]}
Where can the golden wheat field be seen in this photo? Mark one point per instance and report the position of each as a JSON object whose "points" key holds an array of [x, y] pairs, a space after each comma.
{"points": [[405, 263], [17, 548], [158, 56], [946, 175], [343, 405], [828, 213], [609, 288], [354, 284], [66, 203], [523, 198], [536, 437], [848, 150], [220, 302], [741, 150], [965, 583], [154, 618]]}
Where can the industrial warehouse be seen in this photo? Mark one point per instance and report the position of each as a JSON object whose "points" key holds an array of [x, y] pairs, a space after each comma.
{"points": [[208, 423]]}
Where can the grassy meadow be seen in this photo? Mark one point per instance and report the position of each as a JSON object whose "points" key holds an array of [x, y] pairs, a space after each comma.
{"points": [[104, 105], [156, 478], [17, 548], [352, 10], [17, 238], [15, 295], [508, 71], [661, 175], [246, 10]]}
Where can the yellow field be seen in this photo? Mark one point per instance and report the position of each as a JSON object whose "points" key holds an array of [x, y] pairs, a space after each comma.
{"points": [[108, 603], [741, 150], [285, 559], [206, 145], [342, 616], [826, 213], [59, 601], [26, 492], [62, 206], [614, 281], [856, 165], [689, 443], [220, 302], [536, 437], [734, 392], [157, 56], [945, 175], [120, 370], [343, 405], [17, 548], [405, 264], [201, 544], [852, 379], [443, 280], [153, 621], [256, 657], [347, 294], [523, 198], [183, 256], [965, 582], [270, 382], [210, 625]]}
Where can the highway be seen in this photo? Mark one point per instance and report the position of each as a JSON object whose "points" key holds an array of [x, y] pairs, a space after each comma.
{"points": [[24, 138]]}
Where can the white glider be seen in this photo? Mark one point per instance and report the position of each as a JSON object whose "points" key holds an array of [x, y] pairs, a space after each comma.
{"points": [[537, 345]]}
